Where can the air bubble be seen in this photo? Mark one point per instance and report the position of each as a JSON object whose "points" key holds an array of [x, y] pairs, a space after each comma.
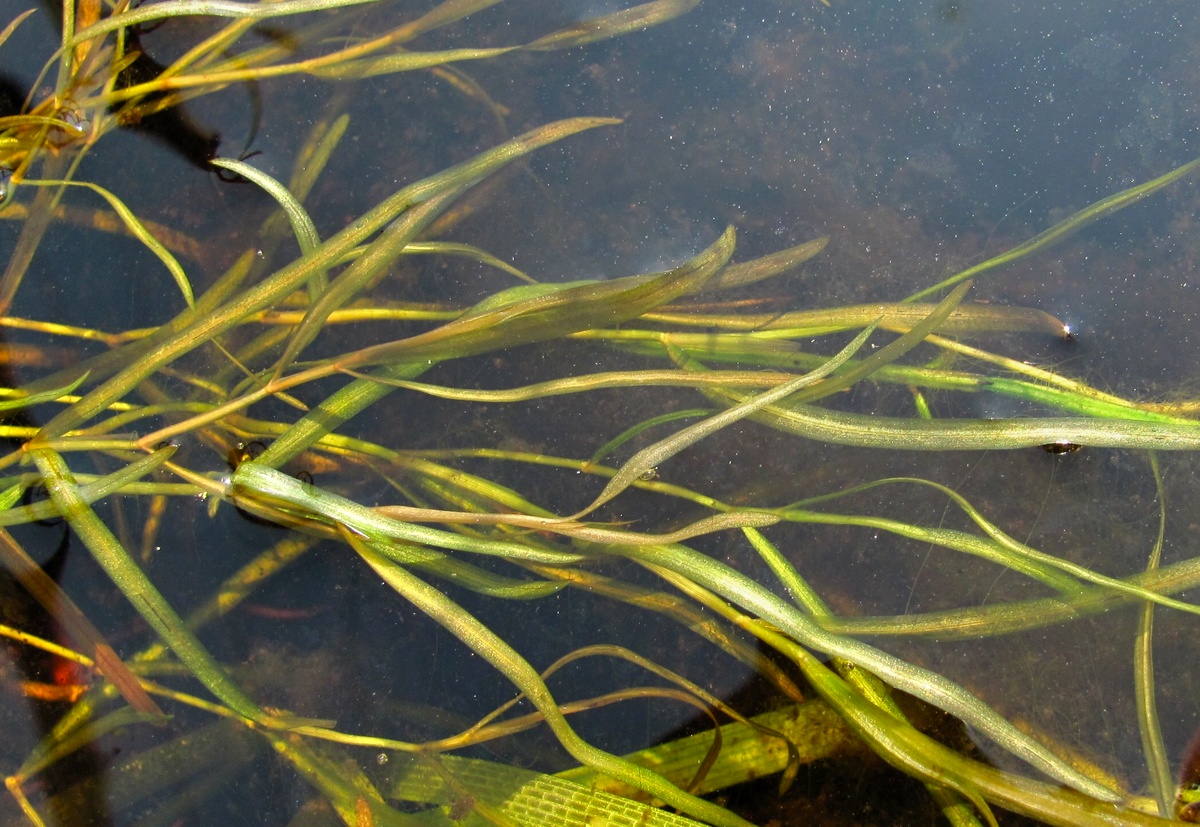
{"points": [[6, 185]]}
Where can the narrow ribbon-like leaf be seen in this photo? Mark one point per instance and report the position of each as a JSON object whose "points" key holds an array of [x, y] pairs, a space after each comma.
{"points": [[934, 688], [138, 230], [1064, 228], [648, 458], [302, 225], [137, 588], [257, 481], [538, 312], [489, 646], [204, 327], [12, 27], [621, 22], [43, 396]]}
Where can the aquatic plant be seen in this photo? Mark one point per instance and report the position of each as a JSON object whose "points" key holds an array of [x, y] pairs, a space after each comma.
{"points": [[154, 421]]}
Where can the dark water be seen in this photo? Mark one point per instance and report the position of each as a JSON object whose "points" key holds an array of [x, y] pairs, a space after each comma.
{"points": [[920, 137]]}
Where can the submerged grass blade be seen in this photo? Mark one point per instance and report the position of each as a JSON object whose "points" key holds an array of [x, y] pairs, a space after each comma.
{"points": [[513, 793], [346, 788], [137, 230], [390, 64], [485, 643], [968, 318], [1021, 615], [640, 428], [890, 352], [650, 457], [522, 321], [1157, 766], [333, 411], [213, 8], [751, 749], [6, 33], [934, 688], [265, 484], [953, 806], [136, 587], [41, 212], [1003, 549], [1062, 229], [43, 396], [749, 272], [302, 226], [447, 248], [366, 268], [639, 17], [892, 737], [93, 491], [532, 313], [202, 329], [53, 748], [871, 431]]}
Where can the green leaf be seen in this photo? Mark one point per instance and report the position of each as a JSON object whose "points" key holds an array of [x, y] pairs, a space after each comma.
{"points": [[43, 396], [137, 229]]}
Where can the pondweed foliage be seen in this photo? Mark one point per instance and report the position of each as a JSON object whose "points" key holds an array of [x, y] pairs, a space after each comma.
{"points": [[273, 335]]}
